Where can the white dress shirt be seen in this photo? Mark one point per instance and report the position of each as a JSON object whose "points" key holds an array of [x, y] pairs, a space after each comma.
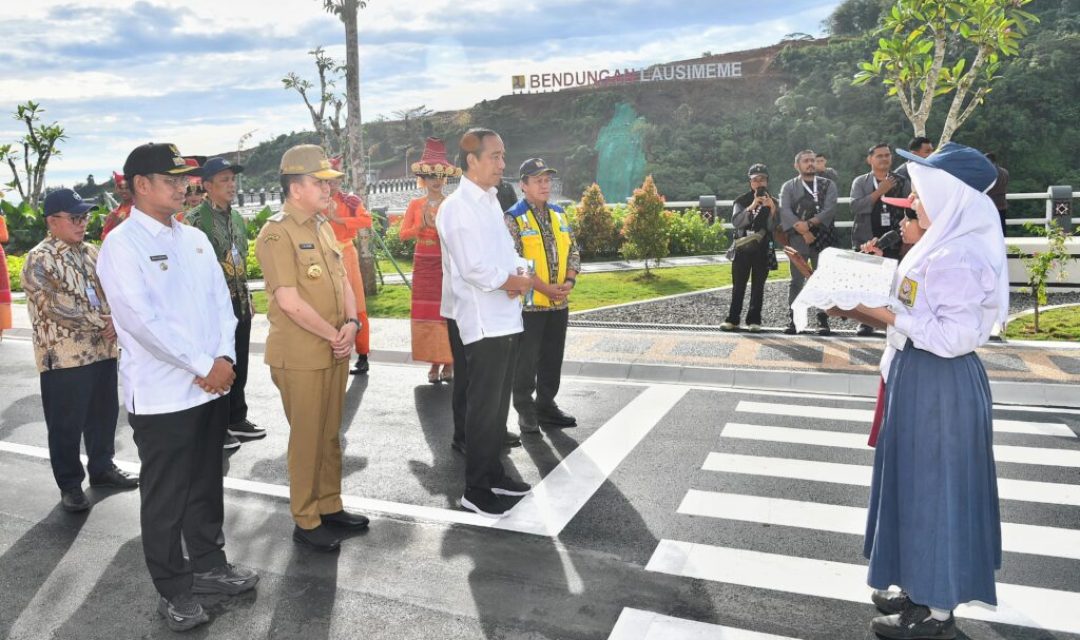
{"points": [[955, 307], [171, 309], [477, 256]]}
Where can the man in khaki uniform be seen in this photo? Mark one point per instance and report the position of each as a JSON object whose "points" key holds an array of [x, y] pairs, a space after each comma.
{"points": [[313, 326]]}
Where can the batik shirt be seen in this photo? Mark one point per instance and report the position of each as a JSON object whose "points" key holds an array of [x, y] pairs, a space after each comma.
{"points": [[228, 235], [67, 305]]}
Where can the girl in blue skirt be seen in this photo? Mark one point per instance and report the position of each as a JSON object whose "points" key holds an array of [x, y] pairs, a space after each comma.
{"points": [[933, 525]]}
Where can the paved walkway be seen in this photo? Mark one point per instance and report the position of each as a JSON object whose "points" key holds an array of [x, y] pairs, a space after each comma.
{"points": [[1027, 373]]}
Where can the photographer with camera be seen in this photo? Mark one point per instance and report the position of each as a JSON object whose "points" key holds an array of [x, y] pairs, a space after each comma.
{"points": [[807, 210], [754, 218], [874, 217]]}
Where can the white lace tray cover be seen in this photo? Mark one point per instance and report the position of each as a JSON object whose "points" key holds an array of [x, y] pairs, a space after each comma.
{"points": [[845, 279]]}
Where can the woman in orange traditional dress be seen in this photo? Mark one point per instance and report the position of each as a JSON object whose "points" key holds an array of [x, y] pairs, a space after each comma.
{"points": [[430, 340], [5, 282]]}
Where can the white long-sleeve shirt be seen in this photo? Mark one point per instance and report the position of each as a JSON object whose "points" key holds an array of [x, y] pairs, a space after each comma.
{"points": [[954, 308], [477, 257], [171, 309]]}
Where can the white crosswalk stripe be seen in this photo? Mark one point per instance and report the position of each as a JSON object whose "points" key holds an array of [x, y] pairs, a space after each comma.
{"points": [[635, 624], [1050, 609]]}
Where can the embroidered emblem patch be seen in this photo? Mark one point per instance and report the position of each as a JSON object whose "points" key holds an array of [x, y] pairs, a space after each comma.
{"points": [[909, 289]]}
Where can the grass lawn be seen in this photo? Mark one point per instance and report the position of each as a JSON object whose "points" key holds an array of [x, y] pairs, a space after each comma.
{"points": [[1056, 324], [387, 268], [593, 289]]}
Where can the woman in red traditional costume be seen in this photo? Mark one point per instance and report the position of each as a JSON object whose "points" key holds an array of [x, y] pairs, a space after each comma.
{"points": [[430, 340], [122, 210], [5, 281]]}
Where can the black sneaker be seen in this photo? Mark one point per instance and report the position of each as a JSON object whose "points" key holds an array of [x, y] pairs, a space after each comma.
{"points": [[231, 443], [484, 502], [510, 487], [361, 367], [74, 500], [320, 538], [512, 440], [227, 579], [890, 602], [345, 520], [246, 430], [182, 613], [914, 623], [556, 417], [865, 331], [114, 478]]}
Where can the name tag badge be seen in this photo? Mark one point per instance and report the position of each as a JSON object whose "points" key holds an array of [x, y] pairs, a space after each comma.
{"points": [[909, 290], [886, 221], [91, 295], [306, 245], [235, 255], [529, 232], [158, 258]]}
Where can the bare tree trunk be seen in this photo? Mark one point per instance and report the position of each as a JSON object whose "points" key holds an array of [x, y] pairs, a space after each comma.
{"points": [[354, 136]]}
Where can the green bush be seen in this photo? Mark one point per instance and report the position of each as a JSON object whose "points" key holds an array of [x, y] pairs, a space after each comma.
{"points": [[594, 225], [254, 271], [691, 235], [645, 229], [397, 247], [15, 267], [256, 223]]}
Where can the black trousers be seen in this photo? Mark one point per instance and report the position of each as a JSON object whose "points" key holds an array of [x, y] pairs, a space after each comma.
{"points": [[489, 381], [181, 489], [752, 266], [540, 360], [238, 408], [461, 380], [80, 403]]}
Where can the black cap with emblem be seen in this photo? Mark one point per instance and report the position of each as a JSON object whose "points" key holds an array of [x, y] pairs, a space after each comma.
{"points": [[155, 157]]}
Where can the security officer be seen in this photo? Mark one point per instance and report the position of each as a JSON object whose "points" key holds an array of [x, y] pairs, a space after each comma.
{"points": [[542, 236], [313, 326]]}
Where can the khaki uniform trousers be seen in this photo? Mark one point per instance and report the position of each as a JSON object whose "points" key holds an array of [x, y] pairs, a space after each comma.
{"points": [[313, 402]]}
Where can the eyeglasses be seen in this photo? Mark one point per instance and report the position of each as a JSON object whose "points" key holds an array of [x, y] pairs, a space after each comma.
{"points": [[74, 219], [175, 182]]}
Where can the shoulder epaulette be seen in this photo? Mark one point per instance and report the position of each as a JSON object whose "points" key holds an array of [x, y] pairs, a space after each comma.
{"points": [[277, 217]]}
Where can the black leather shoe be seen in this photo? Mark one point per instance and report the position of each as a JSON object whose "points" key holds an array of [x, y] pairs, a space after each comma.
{"points": [[74, 500], [320, 538], [865, 331], [914, 623], [361, 366], [556, 417], [345, 520], [114, 479], [890, 602], [512, 440], [458, 446]]}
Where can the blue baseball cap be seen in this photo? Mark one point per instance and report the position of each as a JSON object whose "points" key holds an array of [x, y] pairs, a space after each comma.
{"points": [[534, 167], [215, 166], [966, 164], [66, 201]]}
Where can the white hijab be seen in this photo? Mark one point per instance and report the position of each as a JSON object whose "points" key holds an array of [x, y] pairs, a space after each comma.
{"points": [[959, 214]]}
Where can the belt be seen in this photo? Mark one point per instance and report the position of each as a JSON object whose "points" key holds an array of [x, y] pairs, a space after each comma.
{"points": [[427, 242]]}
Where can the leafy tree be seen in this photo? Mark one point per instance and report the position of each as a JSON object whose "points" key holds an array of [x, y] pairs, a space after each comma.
{"points": [[33, 152], [1042, 265], [856, 17], [326, 125], [924, 49], [646, 227], [595, 226]]}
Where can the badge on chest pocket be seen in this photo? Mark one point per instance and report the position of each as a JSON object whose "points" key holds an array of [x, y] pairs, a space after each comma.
{"points": [[909, 289]]}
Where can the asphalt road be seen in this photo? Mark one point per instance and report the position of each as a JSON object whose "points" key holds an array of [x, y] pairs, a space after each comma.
{"points": [[672, 512]]}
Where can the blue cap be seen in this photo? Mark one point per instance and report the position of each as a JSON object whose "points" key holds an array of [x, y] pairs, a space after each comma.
{"points": [[66, 201], [534, 167], [215, 166], [968, 165]]}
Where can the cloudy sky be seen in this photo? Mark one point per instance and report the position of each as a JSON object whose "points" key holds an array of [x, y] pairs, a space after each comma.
{"points": [[204, 72]]}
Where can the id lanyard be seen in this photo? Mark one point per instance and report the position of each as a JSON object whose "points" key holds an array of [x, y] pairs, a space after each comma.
{"points": [[813, 194], [91, 292], [886, 217]]}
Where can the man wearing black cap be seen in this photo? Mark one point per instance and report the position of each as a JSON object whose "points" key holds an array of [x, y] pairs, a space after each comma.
{"points": [[175, 324], [75, 351], [753, 216], [227, 233], [542, 236]]}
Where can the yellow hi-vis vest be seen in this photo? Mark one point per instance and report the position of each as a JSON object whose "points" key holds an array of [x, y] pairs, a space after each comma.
{"points": [[532, 245]]}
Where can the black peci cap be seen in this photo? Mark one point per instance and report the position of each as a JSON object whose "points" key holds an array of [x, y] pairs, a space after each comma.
{"points": [[151, 158]]}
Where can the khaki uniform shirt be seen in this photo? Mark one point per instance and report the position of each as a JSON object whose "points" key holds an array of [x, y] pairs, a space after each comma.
{"points": [[299, 250]]}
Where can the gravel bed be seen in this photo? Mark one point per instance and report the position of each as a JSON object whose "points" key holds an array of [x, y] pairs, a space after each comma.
{"points": [[711, 308]]}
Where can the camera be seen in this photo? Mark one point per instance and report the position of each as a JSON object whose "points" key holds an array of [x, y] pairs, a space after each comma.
{"points": [[760, 192]]}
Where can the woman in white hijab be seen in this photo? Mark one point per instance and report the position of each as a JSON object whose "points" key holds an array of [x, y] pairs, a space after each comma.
{"points": [[934, 527]]}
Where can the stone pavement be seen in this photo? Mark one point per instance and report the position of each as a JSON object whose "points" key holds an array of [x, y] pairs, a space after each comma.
{"points": [[1020, 372]]}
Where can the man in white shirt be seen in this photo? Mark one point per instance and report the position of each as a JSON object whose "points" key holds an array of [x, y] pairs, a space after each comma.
{"points": [[483, 279], [175, 324]]}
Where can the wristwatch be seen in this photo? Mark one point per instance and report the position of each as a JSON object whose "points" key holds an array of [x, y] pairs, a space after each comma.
{"points": [[354, 321]]}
